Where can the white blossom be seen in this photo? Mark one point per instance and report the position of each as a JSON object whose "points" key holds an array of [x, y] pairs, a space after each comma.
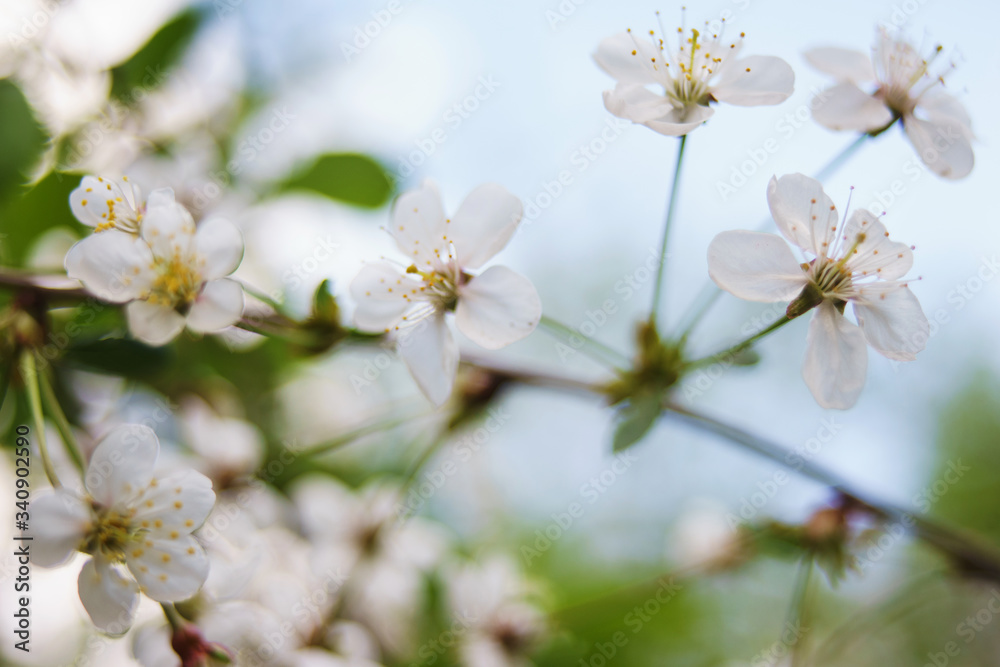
{"points": [[493, 603], [699, 70], [493, 308], [854, 263], [905, 88], [136, 527], [171, 274]]}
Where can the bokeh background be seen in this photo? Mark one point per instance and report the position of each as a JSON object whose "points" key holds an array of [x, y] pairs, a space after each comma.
{"points": [[466, 93]]}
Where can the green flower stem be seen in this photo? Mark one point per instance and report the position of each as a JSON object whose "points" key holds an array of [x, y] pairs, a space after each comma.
{"points": [[739, 347], [599, 351], [671, 207], [29, 373], [797, 609], [54, 410], [173, 617], [374, 426]]}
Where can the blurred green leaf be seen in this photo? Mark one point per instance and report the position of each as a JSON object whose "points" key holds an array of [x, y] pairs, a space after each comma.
{"points": [[635, 420], [963, 489], [146, 70], [120, 356], [23, 140], [24, 218], [325, 307], [347, 177]]}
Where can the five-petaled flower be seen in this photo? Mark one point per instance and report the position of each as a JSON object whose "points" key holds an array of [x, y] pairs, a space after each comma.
{"points": [[170, 274], [854, 262], [494, 308], [699, 71], [905, 89], [130, 522]]}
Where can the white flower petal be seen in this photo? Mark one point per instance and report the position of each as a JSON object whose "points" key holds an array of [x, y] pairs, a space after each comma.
{"points": [[681, 121], [804, 214], [122, 465], [876, 254], [498, 307], [112, 265], [109, 597], [483, 225], [847, 107], [59, 522], [943, 145], [177, 505], [892, 321], [836, 359], [219, 244], [755, 266], [755, 81], [378, 291], [431, 354], [153, 324], [167, 226], [89, 202], [219, 305], [842, 64], [638, 104], [615, 56], [418, 225], [938, 107], [168, 570]]}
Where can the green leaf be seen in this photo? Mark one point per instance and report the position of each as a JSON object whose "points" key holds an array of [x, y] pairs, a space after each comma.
{"points": [[147, 69], [347, 177], [325, 307], [635, 420], [120, 356], [24, 218], [22, 138]]}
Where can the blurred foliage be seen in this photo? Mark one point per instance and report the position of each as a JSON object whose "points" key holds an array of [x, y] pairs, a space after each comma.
{"points": [[963, 489], [24, 218], [22, 140], [347, 177], [146, 69]]}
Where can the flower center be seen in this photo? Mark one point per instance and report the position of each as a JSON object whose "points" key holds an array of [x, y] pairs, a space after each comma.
{"points": [[111, 534], [439, 288], [900, 69], [177, 282], [697, 59]]}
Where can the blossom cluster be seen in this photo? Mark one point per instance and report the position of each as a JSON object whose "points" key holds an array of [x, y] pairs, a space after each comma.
{"points": [[338, 574]]}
